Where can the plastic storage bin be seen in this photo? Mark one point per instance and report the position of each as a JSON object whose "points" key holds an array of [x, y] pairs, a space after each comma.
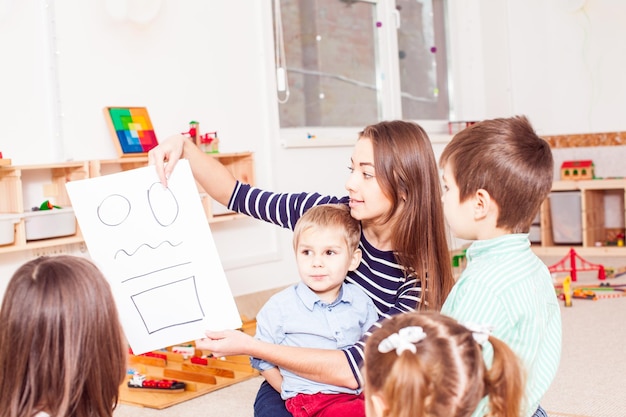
{"points": [[566, 215], [50, 223], [7, 228]]}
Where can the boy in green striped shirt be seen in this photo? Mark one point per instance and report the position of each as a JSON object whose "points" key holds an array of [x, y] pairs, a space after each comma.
{"points": [[496, 174]]}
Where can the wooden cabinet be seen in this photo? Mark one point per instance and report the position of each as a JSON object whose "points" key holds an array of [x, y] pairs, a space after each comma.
{"points": [[602, 218], [22, 187], [241, 165]]}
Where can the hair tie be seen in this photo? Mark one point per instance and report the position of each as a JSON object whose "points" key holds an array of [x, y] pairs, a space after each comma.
{"points": [[480, 332], [405, 339]]}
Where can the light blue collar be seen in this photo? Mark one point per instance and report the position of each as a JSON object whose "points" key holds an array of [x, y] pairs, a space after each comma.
{"points": [[309, 298]]}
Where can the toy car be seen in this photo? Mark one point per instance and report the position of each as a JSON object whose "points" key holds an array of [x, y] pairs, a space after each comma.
{"points": [[584, 294]]}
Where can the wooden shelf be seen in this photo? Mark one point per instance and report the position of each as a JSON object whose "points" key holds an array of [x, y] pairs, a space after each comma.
{"points": [[13, 179], [52, 179], [593, 227], [44, 243]]}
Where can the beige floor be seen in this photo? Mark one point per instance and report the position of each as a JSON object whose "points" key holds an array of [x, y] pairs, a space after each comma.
{"points": [[234, 401], [591, 378]]}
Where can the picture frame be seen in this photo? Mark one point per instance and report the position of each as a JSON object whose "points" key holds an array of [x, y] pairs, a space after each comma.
{"points": [[131, 129]]}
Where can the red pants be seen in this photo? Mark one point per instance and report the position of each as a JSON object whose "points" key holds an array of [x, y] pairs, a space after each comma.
{"points": [[326, 405]]}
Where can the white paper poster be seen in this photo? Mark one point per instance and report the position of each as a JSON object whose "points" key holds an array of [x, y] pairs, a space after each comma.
{"points": [[155, 247]]}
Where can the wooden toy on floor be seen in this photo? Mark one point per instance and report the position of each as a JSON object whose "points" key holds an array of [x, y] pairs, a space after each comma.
{"points": [[612, 272], [198, 372], [582, 265], [589, 292], [567, 291], [139, 381]]}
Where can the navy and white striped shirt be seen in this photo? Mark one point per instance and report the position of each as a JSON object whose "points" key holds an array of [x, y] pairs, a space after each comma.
{"points": [[378, 274]]}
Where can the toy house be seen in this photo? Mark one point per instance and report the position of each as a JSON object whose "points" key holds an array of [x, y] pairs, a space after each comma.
{"points": [[577, 170]]}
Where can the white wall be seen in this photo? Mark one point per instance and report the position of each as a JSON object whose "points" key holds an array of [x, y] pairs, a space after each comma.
{"points": [[211, 61], [559, 62], [199, 60]]}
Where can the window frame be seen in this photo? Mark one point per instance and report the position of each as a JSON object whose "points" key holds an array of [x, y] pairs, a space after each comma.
{"points": [[388, 75]]}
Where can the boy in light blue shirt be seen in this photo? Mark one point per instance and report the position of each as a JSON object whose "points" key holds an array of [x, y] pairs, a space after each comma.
{"points": [[321, 311]]}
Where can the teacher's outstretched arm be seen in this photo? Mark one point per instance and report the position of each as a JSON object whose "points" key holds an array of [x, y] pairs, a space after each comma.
{"points": [[328, 366], [214, 178]]}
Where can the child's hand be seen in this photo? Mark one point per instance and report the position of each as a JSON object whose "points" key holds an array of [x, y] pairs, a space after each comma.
{"points": [[226, 343]]}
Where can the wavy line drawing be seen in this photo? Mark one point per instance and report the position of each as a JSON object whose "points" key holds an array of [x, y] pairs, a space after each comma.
{"points": [[173, 245]]}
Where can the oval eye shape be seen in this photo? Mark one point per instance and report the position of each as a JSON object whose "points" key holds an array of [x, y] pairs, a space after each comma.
{"points": [[113, 210], [163, 204]]}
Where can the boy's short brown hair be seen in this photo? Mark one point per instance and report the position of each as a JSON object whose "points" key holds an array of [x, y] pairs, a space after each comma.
{"points": [[335, 216], [506, 158]]}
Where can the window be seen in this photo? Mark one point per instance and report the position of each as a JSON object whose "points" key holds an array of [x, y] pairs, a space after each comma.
{"points": [[350, 63], [422, 59]]}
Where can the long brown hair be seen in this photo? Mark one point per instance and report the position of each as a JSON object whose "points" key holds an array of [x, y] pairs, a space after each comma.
{"points": [[446, 375], [61, 344], [407, 172]]}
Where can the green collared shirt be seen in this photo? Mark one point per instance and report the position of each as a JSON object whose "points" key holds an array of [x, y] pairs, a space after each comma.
{"points": [[507, 286]]}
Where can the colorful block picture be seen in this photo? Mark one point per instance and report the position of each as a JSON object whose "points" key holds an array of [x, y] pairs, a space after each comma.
{"points": [[131, 129]]}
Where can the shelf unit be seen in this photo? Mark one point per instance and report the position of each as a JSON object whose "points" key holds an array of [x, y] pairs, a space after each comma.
{"points": [[12, 202], [12, 179], [594, 228]]}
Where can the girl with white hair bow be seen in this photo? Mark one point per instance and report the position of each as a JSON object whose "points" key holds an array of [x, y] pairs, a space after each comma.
{"points": [[428, 364]]}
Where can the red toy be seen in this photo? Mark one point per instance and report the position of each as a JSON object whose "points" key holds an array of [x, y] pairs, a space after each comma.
{"points": [[139, 381], [155, 355], [209, 142], [193, 132], [199, 361], [572, 257]]}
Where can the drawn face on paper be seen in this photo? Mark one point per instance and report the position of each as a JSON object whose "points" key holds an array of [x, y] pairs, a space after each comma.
{"points": [[116, 209], [156, 249], [156, 269]]}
